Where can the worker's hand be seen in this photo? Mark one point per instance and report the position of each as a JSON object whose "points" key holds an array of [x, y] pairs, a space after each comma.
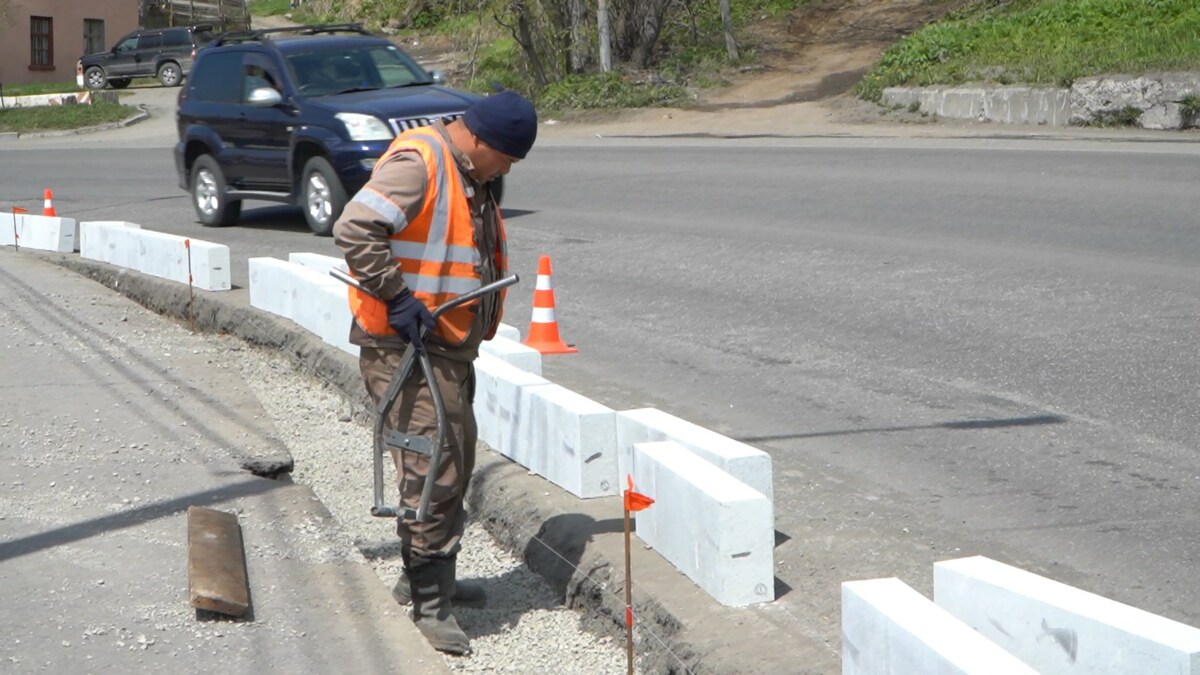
{"points": [[407, 314]]}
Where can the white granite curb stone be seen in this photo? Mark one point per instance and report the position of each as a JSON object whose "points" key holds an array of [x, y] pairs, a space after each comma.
{"points": [[745, 463], [572, 441], [714, 528], [95, 242], [1056, 628], [512, 351], [159, 254], [305, 294], [499, 416], [44, 233], [887, 627]]}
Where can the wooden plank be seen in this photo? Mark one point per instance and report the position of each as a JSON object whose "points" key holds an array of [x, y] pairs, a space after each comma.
{"points": [[216, 562]]}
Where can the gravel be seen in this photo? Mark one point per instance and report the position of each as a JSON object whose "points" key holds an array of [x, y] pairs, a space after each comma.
{"points": [[524, 629]]}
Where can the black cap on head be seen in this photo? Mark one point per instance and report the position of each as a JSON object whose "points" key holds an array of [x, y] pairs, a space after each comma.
{"points": [[505, 121]]}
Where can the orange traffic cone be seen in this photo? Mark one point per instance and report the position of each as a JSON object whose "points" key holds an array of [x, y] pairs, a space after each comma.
{"points": [[543, 328], [48, 207]]}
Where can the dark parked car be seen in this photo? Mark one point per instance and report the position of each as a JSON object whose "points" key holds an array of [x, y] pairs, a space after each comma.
{"points": [[164, 53], [298, 115]]}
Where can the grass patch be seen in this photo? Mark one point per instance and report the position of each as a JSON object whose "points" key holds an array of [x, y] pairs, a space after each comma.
{"points": [[269, 7], [1049, 42], [56, 117], [609, 90], [39, 88]]}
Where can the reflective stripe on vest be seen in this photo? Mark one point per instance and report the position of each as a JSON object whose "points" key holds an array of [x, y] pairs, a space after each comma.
{"points": [[436, 251]]}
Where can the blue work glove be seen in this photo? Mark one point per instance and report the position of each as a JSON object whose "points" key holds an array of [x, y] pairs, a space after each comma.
{"points": [[406, 314]]}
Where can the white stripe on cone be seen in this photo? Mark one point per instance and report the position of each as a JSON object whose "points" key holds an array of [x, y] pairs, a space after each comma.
{"points": [[543, 283], [543, 315]]}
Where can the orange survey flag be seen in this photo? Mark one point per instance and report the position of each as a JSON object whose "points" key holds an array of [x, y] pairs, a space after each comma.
{"points": [[635, 501], [17, 209]]}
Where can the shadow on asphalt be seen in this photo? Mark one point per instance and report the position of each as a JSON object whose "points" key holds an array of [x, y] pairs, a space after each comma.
{"points": [[957, 425], [132, 517]]}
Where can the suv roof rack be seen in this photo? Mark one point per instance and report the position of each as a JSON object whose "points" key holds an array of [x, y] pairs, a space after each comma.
{"points": [[258, 35]]}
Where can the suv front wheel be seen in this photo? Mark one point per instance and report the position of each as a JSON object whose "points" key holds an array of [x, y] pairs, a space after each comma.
{"points": [[95, 78], [169, 74], [213, 206], [321, 195]]}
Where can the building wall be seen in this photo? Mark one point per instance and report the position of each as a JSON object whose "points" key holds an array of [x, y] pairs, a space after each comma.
{"points": [[67, 32]]}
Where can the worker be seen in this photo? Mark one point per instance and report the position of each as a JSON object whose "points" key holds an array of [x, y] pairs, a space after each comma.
{"points": [[425, 229]]}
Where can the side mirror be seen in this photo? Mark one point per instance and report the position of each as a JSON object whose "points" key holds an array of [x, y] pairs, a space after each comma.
{"points": [[264, 97], [437, 76]]}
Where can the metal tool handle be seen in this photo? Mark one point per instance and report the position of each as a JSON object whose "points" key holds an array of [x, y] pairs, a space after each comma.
{"points": [[403, 372]]}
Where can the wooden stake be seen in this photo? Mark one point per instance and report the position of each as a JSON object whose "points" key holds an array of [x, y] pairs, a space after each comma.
{"points": [[628, 599], [187, 244]]}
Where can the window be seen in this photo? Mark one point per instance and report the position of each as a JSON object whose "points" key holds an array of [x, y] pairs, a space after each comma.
{"points": [[212, 82], [41, 43], [150, 41], [176, 38], [93, 36], [127, 45]]}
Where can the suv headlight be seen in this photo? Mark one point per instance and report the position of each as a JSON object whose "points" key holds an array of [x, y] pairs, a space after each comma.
{"points": [[365, 127]]}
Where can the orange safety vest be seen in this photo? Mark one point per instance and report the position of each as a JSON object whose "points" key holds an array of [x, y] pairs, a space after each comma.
{"points": [[438, 256]]}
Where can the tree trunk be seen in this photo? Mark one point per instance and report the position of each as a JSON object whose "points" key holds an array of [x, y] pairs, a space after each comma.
{"points": [[524, 37], [577, 17], [649, 27], [727, 22], [605, 36]]}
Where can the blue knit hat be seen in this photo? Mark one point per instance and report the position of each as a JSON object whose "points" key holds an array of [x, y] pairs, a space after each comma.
{"points": [[505, 121]]}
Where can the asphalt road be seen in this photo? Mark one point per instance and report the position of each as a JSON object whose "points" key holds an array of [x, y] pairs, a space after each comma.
{"points": [[949, 347]]}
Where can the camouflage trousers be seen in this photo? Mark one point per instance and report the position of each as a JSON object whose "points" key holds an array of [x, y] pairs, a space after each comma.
{"points": [[414, 414]]}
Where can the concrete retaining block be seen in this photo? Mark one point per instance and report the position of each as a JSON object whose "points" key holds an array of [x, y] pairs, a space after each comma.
{"points": [[305, 294], [318, 262], [887, 627], [270, 286], [572, 441], [43, 233], [745, 463], [1007, 105], [507, 331], [714, 528], [1056, 628], [96, 241], [163, 255], [511, 351], [502, 402]]}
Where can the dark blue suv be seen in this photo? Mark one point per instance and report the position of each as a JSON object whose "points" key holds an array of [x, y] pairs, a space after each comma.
{"points": [[298, 115]]}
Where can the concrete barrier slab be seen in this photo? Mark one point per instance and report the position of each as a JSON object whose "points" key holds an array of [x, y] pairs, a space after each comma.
{"points": [[511, 351], [318, 262], [172, 257], [507, 331], [572, 441], [748, 464], [95, 240], [500, 412], [887, 627], [1056, 628], [270, 286], [714, 528], [44, 233]]}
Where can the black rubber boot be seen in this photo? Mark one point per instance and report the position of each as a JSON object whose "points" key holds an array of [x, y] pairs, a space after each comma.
{"points": [[462, 593], [431, 580]]}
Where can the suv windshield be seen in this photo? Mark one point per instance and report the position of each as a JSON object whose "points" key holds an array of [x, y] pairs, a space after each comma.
{"points": [[326, 72]]}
